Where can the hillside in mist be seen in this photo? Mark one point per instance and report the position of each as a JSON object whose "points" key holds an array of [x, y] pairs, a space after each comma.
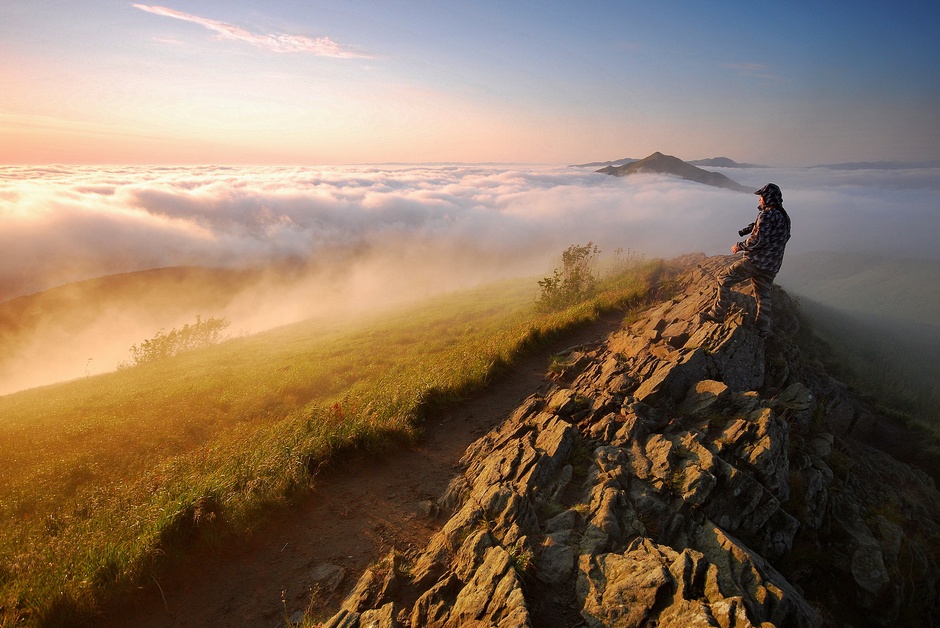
{"points": [[87, 327], [657, 163], [616, 162], [886, 287], [894, 359], [380, 233], [881, 317], [722, 162], [880, 165]]}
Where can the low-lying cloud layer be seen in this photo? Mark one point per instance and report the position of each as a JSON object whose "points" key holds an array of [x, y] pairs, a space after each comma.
{"points": [[66, 223], [62, 224], [394, 232]]}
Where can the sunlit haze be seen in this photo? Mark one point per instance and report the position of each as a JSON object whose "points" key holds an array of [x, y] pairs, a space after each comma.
{"points": [[369, 236], [350, 156], [194, 82]]}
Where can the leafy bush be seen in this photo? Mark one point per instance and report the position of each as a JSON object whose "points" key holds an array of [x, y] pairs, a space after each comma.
{"points": [[164, 344], [574, 282]]}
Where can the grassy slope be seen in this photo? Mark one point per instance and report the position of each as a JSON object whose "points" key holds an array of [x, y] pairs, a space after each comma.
{"points": [[880, 317], [54, 332], [888, 287], [892, 360], [105, 476]]}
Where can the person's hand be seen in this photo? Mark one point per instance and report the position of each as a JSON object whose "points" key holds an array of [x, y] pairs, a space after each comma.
{"points": [[735, 248]]}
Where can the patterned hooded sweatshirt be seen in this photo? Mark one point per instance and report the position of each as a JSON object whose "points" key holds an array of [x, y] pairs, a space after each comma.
{"points": [[765, 246]]}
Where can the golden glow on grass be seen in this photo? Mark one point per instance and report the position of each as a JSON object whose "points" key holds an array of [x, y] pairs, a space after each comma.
{"points": [[105, 476]]}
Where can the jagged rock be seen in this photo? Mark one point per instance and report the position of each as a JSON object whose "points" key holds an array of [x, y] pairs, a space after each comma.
{"points": [[433, 607], [730, 613], [471, 554], [697, 484], [767, 452], [740, 572], [327, 577], [622, 589], [813, 478], [671, 380], [557, 555], [739, 360], [563, 402], [376, 586], [493, 596], [556, 560], [704, 397], [719, 489], [611, 520], [343, 619], [380, 618], [798, 402]]}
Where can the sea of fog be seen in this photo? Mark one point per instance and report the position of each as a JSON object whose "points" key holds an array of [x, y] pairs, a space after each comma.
{"points": [[63, 223], [375, 234]]}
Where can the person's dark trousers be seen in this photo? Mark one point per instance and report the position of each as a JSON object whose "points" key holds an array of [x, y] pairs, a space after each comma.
{"points": [[740, 271]]}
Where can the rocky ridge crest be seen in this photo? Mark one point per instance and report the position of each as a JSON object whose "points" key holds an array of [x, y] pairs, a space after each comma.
{"points": [[676, 474]]}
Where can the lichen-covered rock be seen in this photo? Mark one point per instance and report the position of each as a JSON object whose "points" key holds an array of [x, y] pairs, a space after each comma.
{"points": [[623, 589], [704, 397], [493, 595], [687, 474], [384, 617]]}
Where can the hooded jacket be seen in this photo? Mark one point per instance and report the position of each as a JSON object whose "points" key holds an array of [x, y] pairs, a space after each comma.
{"points": [[765, 245]]}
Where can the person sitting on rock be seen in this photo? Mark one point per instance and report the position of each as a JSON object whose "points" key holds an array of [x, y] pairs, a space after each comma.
{"points": [[763, 254]]}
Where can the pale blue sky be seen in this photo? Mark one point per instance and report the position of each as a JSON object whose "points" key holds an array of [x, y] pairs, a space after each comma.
{"points": [[183, 81]]}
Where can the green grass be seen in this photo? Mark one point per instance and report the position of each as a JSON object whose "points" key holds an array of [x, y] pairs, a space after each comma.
{"points": [[107, 478], [892, 361]]}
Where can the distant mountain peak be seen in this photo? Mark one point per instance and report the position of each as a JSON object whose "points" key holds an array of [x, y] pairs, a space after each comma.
{"points": [[722, 162], [616, 162], [658, 163]]}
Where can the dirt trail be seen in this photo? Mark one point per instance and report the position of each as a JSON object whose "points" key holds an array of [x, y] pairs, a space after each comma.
{"points": [[355, 515]]}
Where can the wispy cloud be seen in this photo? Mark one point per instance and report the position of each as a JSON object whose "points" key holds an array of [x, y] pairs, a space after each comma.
{"points": [[274, 42], [753, 70]]}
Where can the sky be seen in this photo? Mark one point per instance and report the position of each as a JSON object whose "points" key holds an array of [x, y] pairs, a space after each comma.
{"points": [[295, 82]]}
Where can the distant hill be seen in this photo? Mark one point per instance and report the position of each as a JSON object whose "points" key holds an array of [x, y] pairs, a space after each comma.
{"points": [[869, 284], [161, 289], [600, 164], [88, 326], [723, 162], [880, 165], [657, 163]]}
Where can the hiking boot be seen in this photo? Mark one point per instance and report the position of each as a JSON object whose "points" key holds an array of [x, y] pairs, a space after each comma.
{"points": [[712, 318]]}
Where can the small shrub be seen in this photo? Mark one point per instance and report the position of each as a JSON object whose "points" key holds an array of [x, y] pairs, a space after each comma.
{"points": [[164, 344], [574, 282]]}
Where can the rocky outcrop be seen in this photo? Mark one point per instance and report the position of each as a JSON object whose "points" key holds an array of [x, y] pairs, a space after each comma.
{"points": [[678, 474]]}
